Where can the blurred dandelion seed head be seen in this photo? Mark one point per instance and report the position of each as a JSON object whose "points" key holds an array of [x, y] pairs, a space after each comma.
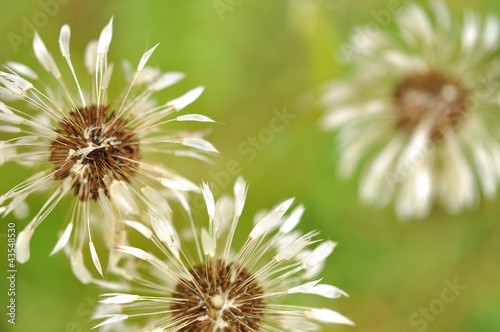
{"points": [[418, 115], [420, 95]]}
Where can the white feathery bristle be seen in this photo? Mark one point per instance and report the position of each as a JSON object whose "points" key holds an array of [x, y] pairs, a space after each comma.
{"points": [[95, 258], [181, 197], [314, 270], [271, 219], [122, 196], [327, 291], [284, 206], [105, 39], [64, 38], [491, 32], [15, 82], [207, 243], [285, 240], [63, 240], [66, 185], [326, 315], [320, 253], [145, 57], [470, 31], [166, 233], [141, 254], [4, 108], [11, 118], [303, 288], [200, 144], [136, 252], [23, 245], [107, 77], [105, 203], [298, 324], [91, 56], [111, 285], [10, 129], [10, 89], [194, 117], [112, 319], [44, 56], [240, 194], [157, 200], [79, 269], [121, 299], [177, 185], [144, 230], [146, 76], [186, 99], [209, 200], [165, 80], [128, 71], [292, 220], [265, 224], [442, 13], [291, 250], [114, 256], [192, 154], [101, 310], [22, 211], [22, 69], [15, 202], [224, 211]]}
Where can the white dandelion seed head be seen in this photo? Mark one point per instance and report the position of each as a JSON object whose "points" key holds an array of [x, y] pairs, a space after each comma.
{"points": [[417, 114], [94, 146], [221, 288]]}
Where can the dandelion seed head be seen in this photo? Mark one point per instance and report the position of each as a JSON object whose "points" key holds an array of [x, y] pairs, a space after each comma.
{"points": [[216, 300], [430, 94], [222, 288], [93, 148], [418, 116]]}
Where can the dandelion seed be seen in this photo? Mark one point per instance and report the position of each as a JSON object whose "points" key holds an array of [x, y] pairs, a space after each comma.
{"points": [[420, 112], [92, 147], [225, 291]]}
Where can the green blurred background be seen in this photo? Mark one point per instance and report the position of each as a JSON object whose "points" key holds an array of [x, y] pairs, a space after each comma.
{"points": [[256, 58]]}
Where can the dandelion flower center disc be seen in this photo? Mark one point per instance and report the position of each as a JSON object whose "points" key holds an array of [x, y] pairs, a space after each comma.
{"points": [[430, 95], [93, 147], [222, 298]]}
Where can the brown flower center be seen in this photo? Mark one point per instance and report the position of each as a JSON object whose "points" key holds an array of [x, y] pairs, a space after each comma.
{"points": [[430, 95], [93, 147], [218, 299]]}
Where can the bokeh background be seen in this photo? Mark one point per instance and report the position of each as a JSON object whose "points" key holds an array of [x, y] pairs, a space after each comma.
{"points": [[257, 58]]}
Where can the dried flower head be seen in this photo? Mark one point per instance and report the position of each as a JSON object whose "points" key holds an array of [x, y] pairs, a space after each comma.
{"points": [[92, 148], [223, 290], [421, 113]]}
